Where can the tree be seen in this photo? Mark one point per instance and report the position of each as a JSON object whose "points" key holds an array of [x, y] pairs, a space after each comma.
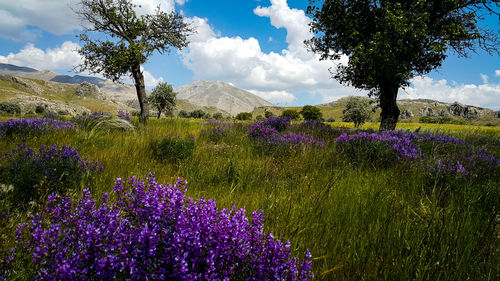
{"points": [[244, 116], [310, 112], [390, 42], [198, 114], [163, 98], [357, 110], [292, 113], [133, 40]]}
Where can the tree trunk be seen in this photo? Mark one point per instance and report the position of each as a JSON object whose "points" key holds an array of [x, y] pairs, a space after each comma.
{"points": [[159, 114], [390, 110], [141, 93]]}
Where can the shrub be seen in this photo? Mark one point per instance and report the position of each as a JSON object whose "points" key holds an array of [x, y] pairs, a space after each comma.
{"points": [[310, 112], [35, 175], [357, 110], [244, 116], [183, 114], [198, 114], [293, 114], [40, 109], [9, 108], [217, 116], [172, 149], [33, 126], [268, 114], [214, 135], [152, 232]]}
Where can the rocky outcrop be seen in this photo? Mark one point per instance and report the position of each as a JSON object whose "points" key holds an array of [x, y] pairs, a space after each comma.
{"points": [[30, 104], [406, 114], [465, 111], [86, 89], [427, 111]]}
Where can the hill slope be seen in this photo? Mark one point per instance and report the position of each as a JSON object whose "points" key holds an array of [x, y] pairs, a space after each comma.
{"points": [[220, 95]]}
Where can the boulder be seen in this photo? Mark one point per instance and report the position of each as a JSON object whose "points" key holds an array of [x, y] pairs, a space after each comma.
{"points": [[427, 111], [406, 114], [464, 111], [30, 104], [86, 89]]}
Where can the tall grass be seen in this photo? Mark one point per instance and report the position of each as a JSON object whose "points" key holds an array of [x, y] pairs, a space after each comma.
{"points": [[360, 223]]}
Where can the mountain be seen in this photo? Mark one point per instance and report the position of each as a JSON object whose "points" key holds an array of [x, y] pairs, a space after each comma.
{"points": [[220, 95]]}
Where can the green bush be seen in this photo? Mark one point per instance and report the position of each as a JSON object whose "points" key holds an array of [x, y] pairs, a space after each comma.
{"points": [[172, 149], [244, 116], [9, 108], [198, 113], [310, 112], [184, 114], [217, 116], [40, 109], [357, 110], [268, 114], [294, 114]]}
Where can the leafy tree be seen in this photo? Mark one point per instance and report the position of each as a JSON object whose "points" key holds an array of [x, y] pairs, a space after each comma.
{"points": [[133, 40], [357, 110], [244, 116], [163, 98], [390, 42], [217, 116], [310, 112], [184, 114], [198, 113], [292, 113]]}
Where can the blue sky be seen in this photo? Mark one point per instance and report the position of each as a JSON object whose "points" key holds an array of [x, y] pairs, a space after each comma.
{"points": [[255, 45]]}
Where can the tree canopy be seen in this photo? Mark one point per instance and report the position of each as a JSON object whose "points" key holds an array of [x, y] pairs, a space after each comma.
{"points": [[390, 42], [310, 112], [131, 40], [357, 110], [163, 98]]}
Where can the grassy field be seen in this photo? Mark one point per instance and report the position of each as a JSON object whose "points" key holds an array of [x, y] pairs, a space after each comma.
{"points": [[361, 220]]}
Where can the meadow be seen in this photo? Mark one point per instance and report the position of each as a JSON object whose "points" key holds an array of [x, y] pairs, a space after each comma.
{"points": [[420, 203]]}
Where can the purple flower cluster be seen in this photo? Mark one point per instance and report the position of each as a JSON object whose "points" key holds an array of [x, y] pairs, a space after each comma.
{"points": [[153, 232], [280, 123], [400, 143], [33, 126], [50, 169], [123, 115], [268, 135], [440, 166]]}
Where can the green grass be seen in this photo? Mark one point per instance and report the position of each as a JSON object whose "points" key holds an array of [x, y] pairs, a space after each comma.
{"points": [[359, 223]]}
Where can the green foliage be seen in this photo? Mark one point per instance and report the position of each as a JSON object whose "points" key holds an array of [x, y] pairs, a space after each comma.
{"points": [[310, 112], [163, 98], [357, 110], [9, 108], [443, 120], [197, 114], [172, 149], [133, 40], [217, 116], [244, 116], [183, 114], [268, 114], [292, 113], [390, 42], [40, 109]]}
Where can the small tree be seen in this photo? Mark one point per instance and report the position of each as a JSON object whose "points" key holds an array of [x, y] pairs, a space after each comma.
{"points": [[163, 98], [357, 110], [184, 114], [198, 114], [133, 40], [292, 113], [310, 112], [244, 116]]}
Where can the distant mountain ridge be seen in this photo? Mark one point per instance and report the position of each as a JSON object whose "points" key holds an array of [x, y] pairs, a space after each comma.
{"points": [[220, 95]]}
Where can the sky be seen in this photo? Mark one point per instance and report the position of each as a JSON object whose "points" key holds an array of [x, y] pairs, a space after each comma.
{"points": [[256, 45]]}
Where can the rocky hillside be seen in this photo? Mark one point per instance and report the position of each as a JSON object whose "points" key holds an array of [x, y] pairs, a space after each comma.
{"points": [[220, 95]]}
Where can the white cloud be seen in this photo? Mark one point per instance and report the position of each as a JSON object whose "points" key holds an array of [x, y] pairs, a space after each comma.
{"points": [[63, 57], [497, 73], [242, 62], [276, 97], [23, 20], [485, 95], [484, 77], [149, 79]]}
